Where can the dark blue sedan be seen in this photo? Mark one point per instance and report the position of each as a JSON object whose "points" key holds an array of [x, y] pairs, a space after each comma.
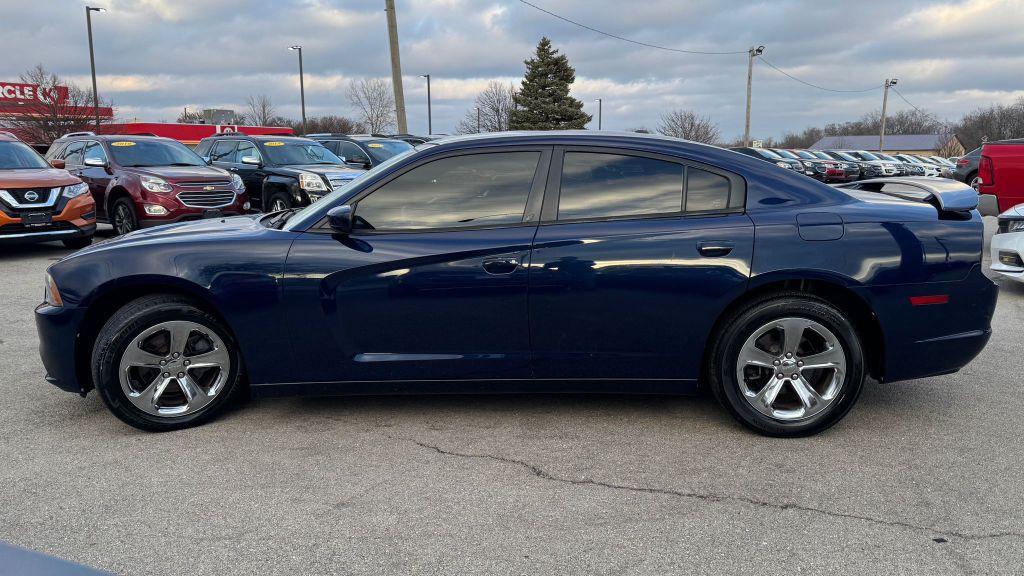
{"points": [[551, 262]]}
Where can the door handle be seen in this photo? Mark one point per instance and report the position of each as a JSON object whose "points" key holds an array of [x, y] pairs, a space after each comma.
{"points": [[714, 249], [501, 266], [233, 169]]}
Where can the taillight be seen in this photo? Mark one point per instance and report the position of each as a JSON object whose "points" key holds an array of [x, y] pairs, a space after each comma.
{"points": [[962, 162], [986, 172]]}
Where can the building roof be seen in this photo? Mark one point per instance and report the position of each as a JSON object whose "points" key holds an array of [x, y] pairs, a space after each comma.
{"points": [[893, 142]]}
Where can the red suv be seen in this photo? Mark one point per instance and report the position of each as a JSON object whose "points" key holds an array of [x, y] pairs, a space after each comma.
{"points": [[39, 203], [142, 181]]}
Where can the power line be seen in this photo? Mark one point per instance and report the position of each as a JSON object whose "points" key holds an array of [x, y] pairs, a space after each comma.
{"points": [[630, 40], [791, 77], [909, 103]]}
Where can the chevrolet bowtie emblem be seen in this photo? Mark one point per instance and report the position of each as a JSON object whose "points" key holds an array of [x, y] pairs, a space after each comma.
{"points": [[207, 187]]}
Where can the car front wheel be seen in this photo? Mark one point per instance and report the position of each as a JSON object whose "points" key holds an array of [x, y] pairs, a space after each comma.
{"points": [[162, 363], [124, 219], [788, 365]]}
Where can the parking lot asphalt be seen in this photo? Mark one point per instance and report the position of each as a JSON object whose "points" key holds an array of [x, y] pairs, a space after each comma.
{"points": [[923, 477]]}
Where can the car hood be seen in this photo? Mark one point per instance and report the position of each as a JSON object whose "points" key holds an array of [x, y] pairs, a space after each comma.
{"points": [[36, 177], [211, 229], [181, 173]]}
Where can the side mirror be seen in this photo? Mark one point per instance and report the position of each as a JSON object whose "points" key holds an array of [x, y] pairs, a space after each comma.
{"points": [[340, 219], [251, 160], [95, 162], [206, 159], [57, 163], [343, 160]]}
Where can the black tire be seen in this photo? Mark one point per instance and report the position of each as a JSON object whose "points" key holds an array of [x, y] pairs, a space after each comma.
{"points": [[278, 201], [123, 217], [744, 322], [128, 323], [77, 243]]}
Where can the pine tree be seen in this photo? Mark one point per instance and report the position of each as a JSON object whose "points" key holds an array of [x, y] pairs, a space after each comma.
{"points": [[543, 102]]}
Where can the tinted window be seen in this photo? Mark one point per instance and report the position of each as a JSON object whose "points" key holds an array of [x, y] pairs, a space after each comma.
{"points": [[246, 149], [706, 190], [352, 152], [204, 147], [452, 192], [73, 154], [222, 151], [381, 150], [297, 152], [17, 155], [768, 154], [95, 151], [598, 185]]}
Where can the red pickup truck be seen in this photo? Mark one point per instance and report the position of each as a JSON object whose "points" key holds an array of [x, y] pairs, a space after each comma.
{"points": [[1001, 175]]}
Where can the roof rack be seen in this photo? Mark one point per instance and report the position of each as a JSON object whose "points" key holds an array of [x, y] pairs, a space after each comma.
{"points": [[328, 134], [82, 133]]}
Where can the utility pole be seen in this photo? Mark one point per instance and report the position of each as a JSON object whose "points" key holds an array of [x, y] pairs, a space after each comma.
{"points": [[396, 66], [885, 102], [430, 124], [302, 88], [599, 104], [750, 80], [477, 119], [92, 64]]}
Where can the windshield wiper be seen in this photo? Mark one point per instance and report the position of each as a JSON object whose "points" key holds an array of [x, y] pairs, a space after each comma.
{"points": [[278, 221]]}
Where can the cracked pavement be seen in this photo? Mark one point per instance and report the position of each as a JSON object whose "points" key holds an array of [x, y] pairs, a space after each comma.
{"points": [[922, 477]]}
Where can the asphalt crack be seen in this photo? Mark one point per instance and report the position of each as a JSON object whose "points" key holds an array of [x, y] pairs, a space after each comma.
{"points": [[539, 472]]}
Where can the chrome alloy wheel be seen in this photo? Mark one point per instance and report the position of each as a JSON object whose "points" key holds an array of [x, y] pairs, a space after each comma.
{"points": [[976, 183], [122, 219], [174, 368], [791, 369], [278, 204]]}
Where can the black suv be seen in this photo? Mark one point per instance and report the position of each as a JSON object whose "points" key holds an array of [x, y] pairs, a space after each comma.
{"points": [[278, 171], [362, 151]]}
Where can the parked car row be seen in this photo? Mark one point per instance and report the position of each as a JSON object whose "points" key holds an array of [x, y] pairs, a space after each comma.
{"points": [[849, 165]]}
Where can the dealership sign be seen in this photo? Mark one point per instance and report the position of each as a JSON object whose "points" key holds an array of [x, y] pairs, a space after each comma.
{"points": [[17, 93]]}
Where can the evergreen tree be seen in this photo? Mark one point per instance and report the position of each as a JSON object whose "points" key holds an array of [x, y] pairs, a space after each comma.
{"points": [[543, 101]]}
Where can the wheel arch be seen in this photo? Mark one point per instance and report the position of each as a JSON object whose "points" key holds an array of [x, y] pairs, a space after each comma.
{"points": [[836, 290], [108, 298], [116, 192], [273, 184]]}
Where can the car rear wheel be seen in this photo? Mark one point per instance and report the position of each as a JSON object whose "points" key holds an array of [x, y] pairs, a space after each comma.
{"points": [[161, 363], [788, 365], [124, 219], [975, 182]]}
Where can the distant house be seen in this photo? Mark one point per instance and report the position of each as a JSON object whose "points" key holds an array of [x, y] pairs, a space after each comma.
{"points": [[926, 144]]}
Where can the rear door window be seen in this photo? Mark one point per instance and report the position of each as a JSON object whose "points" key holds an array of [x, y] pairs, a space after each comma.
{"points": [[603, 185], [706, 190]]}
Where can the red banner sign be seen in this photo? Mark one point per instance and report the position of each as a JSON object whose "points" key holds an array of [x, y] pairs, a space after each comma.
{"points": [[17, 93]]}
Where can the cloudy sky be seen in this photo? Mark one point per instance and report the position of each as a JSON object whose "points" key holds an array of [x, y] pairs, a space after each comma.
{"points": [[155, 57]]}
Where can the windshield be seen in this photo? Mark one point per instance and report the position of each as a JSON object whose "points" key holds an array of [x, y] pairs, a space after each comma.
{"points": [[293, 152], [822, 155], [153, 153], [846, 156], [19, 156], [886, 157], [768, 154], [787, 154], [867, 155], [299, 220], [381, 150], [804, 154]]}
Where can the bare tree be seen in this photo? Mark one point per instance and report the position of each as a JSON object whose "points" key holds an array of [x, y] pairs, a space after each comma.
{"points": [[64, 107], [187, 117], [261, 110], [495, 104], [332, 124], [995, 122], [688, 125], [374, 103]]}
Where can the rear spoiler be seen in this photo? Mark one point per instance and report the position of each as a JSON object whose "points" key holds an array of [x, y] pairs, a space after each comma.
{"points": [[945, 194]]}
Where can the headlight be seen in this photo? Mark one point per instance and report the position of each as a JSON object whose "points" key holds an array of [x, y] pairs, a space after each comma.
{"points": [[236, 183], [1010, 225], [154, 184], [808, 164], [50, 294], [783, 164], [312, 183], [76, 190]]}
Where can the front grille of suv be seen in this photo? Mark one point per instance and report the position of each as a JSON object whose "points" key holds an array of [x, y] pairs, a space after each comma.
{"points": [[214, 199]]}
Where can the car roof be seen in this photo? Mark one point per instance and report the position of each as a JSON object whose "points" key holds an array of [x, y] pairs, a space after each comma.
{"points": [[566, 137], [260, 137], [8, 136], [111, 137]]}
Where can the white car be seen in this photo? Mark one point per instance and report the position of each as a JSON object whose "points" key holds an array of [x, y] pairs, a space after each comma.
{"points": [[1008, 244]]}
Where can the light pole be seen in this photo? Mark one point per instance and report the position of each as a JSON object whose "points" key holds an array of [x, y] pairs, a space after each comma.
{"points": [[885, 102], [92, 64], [477, 119], [599, 105], [750, 80], [302, 88], [430, 124]]}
